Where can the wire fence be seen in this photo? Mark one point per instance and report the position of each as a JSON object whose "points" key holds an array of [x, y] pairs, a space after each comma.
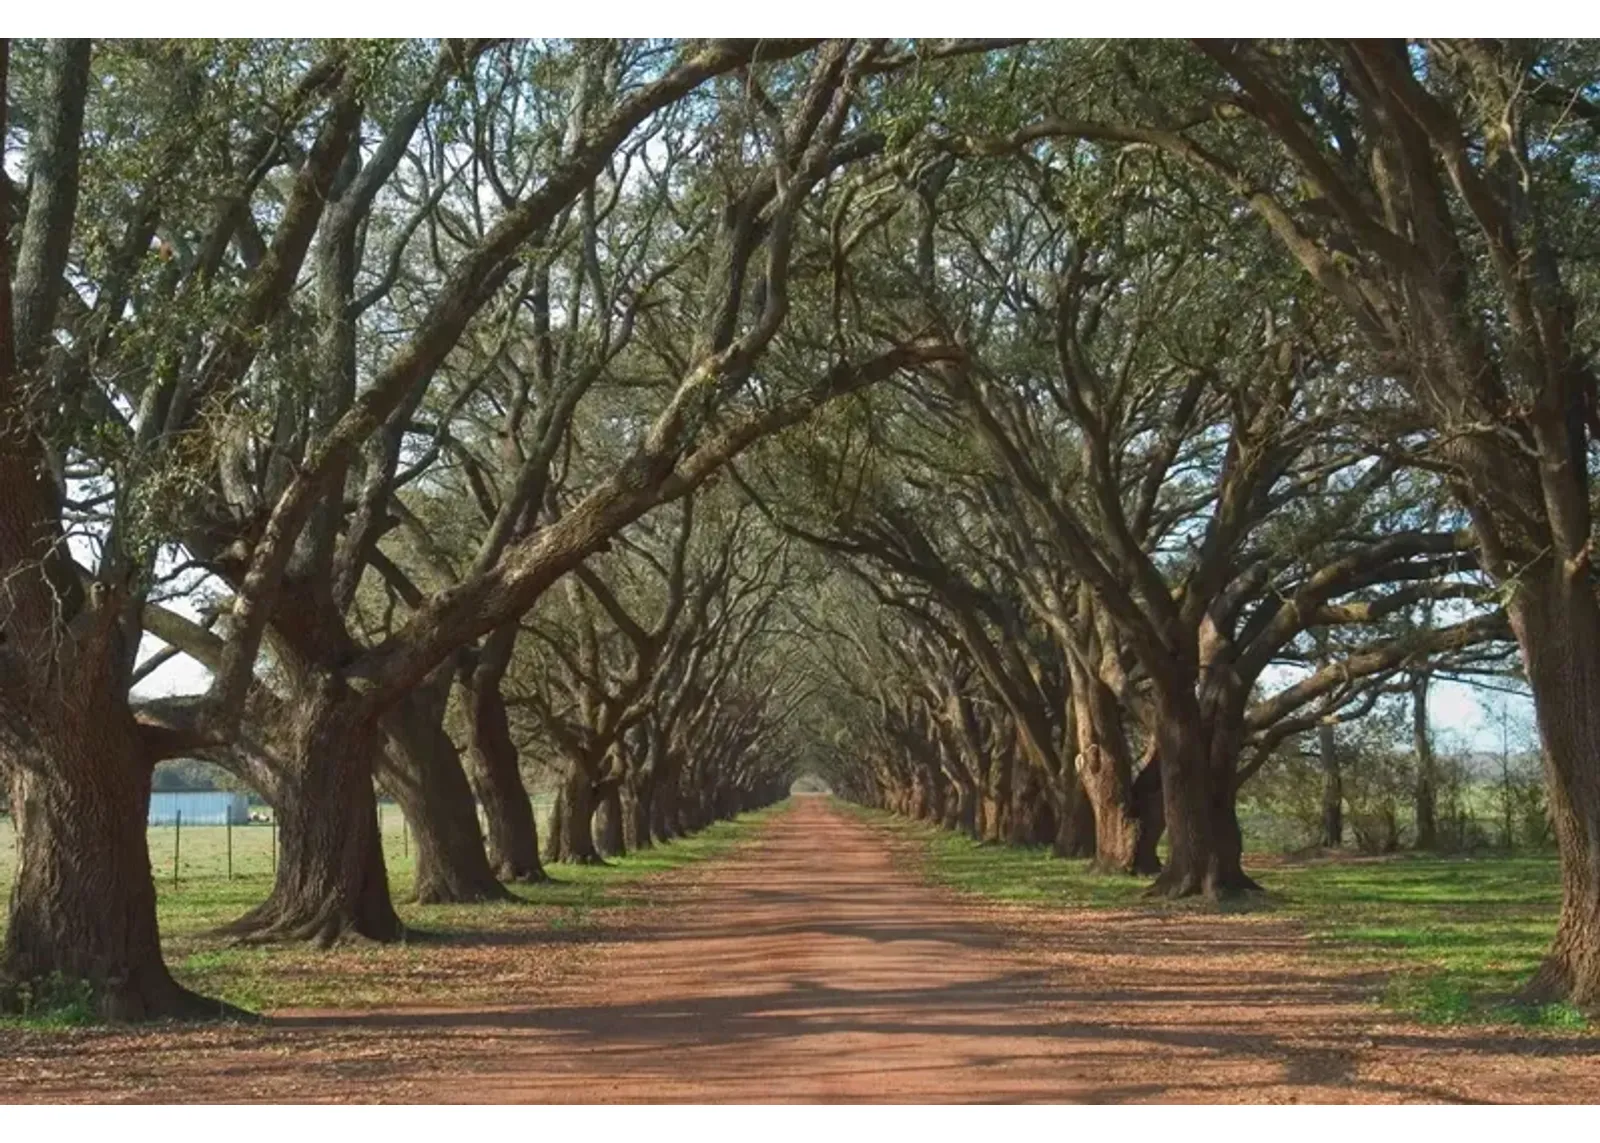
{"points": [[182, 853]]}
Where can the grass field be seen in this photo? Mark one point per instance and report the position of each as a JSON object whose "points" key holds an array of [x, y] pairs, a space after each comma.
{"points": [[454, 954], [202, 852], [1458, 935]]}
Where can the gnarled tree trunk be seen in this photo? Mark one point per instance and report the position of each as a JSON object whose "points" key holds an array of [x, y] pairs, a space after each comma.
{"points": [[1427, 780], [1198, 736], [1333, 790], [636, 794], [492, 766], [1186, 797], [1556, 619], [997, 797], [608, 823], [1223, 701], [664, 805], [421, 770], [571, 840], [1106, 773], [1074, 819], [83, 908], [1151, 812], [331, 883]]}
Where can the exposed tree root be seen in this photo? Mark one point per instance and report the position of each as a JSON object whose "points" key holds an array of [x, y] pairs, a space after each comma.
{"points": [[1175, 884], [323, 926], [582, 859], [438, 894]]}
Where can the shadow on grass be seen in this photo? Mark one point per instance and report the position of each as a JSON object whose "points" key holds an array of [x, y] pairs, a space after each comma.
{"points": [[450, 953], [1455, 937]]}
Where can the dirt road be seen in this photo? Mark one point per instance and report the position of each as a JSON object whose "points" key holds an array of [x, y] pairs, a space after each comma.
{"points": [[812, 966]]}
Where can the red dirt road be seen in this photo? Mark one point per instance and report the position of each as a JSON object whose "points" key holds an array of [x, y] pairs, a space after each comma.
{"points": [[812, 967]]}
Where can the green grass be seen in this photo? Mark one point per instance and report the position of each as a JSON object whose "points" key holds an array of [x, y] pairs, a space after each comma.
{"points": [[455, 954], [1458, 936], [1464, 934], [202, 851]]}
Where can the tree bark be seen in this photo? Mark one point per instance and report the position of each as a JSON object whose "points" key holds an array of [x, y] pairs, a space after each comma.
{"points": [[83, 907], [956, 802], [572, 821], [967, 807], [608, 819], [636, 795], [998, 797], [1186, 798], [1073, 816], [917, 799], [1333, 790], [1030, 806], [492, 766], [1151, 811], [1105, 773], [1198, 732], [1427, 778], [331, 883], [1556, 619], [664, 802], [421, 770], [1198, 758]]}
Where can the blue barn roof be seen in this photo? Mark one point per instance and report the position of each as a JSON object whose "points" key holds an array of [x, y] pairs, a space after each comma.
{"points": [[199, 807]]}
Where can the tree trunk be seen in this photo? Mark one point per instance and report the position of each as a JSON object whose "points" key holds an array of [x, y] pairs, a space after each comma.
{"points": [[1104, 771], [917, 800], [1075, 831], [83, 907], [1199, 730], [1186, 801], [1151, 812], [82, 904], [331, 883], [933, 777], [608, 820], [1000, 800], [1202, 825], [1108, 789], [1557, 623], [1333, 789], [1027, 802], [421, 770], [572, 821], [636, 798], [1427, 778], [951, 815], [684, 821], [492, 767], [664, 805], [983, 807], [1228, 837], [968, 806]]}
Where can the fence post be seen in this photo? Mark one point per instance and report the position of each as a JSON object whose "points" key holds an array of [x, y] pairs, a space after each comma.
{"points": [[229, 819], [177, 844]]}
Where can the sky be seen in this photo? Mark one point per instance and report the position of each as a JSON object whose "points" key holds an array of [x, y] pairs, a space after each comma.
{"points": [[1469, 718]]}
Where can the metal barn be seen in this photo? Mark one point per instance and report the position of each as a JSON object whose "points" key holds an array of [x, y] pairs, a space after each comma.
{"points": [[199, 807]]}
